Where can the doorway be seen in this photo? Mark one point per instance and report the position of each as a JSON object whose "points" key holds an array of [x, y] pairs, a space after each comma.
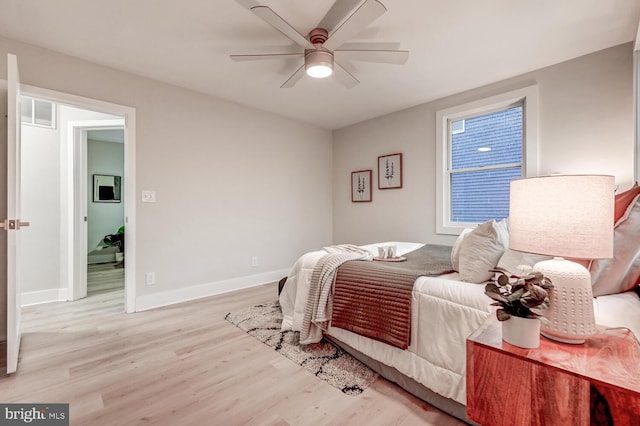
{"points": [[75, 186], [98, 211]]}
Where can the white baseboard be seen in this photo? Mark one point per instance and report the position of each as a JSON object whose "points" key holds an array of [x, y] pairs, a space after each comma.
{"points": [[43, 296], [165, 298]]}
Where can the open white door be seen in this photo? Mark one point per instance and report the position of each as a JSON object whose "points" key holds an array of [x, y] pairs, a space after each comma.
{"points": [[12, 224]]}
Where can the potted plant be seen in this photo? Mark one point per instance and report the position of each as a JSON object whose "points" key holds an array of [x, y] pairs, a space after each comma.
{"points": [[520, 300]]}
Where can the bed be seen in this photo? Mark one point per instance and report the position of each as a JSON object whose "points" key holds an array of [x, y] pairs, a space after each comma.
{"points": [[444, 311]]}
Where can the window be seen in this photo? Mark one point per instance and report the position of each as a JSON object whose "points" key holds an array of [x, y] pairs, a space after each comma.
{"points": [[37, 112], [484, 159], [482, 147]]}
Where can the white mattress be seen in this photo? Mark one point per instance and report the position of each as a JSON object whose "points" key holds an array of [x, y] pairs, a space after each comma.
{"points": [[444, 312]]}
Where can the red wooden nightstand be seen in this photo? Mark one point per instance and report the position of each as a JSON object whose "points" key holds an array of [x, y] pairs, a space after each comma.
{"points": [[597, 382]]}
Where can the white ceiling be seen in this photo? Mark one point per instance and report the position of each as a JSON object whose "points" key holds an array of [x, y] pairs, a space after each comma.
{"points": [[455, 45]]}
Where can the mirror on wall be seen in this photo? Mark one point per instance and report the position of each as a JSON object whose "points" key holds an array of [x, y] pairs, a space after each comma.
{"points": [[106, 189]]}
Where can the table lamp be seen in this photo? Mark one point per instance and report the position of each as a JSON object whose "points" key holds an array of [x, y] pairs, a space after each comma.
{"points": [[564, 216]]}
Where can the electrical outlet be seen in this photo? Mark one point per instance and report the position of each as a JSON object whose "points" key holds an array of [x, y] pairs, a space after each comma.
{"points": [[150, 278], [254, 261]]}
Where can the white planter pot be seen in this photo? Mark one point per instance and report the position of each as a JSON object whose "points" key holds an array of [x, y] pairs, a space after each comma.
{"points": [[522, 332]]}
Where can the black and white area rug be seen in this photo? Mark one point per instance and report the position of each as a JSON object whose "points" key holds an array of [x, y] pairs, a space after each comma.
{"points": [[327, 361]]}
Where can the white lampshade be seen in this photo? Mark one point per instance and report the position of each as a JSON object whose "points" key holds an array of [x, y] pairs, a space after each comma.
{"points": [[564, 216]]}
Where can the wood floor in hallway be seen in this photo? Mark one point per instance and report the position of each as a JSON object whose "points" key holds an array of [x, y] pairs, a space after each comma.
{"points": [[103, 277]]}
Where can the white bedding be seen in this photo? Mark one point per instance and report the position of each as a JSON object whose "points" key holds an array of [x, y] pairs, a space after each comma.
{"points": [[444, 312], [619, 310]]}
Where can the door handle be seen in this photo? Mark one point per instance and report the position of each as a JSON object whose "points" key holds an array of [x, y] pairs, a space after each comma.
{"points": [[13, 225]]}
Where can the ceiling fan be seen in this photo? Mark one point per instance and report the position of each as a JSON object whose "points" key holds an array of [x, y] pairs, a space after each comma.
{"points": [[345, 19]]}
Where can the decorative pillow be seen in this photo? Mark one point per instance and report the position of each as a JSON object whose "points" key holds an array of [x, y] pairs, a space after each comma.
{"points": [[455, 251], [480, 251], [622, 272], [512, 260], [502, 228], [623, 200]]}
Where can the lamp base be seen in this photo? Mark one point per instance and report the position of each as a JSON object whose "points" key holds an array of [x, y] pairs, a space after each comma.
{"points": [[563, 340], [570, 317]]}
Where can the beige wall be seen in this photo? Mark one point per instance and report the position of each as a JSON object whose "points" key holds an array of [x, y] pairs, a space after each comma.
{"points": [[585, 124], [232, 182]]}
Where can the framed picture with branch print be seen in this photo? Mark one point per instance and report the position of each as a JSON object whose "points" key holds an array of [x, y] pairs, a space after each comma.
{"points": [[390, 171], [361, 186]]}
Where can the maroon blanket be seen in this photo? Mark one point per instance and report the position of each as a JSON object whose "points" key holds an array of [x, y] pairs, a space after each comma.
{"points": [[373, 299]]}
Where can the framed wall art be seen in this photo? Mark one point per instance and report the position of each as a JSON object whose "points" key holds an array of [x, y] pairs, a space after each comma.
{"points": [[390, 171], [361, 186], [106, 189]]}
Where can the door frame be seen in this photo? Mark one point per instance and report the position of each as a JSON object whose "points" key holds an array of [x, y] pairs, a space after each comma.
{"points": [[77, 231], [129, 115]]}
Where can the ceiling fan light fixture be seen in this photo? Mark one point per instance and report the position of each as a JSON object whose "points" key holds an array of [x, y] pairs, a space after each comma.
{"points": [[318, 63]]}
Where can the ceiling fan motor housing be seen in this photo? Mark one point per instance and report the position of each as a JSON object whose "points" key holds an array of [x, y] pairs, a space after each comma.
{"points": [[315, 59], [318, 36]]}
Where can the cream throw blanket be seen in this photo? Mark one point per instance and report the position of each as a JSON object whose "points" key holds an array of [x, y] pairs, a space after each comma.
{"points": [[317, 312]]}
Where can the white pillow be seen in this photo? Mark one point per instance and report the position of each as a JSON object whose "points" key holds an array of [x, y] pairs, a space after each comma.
{"points": [[502, 228], [511, 260], [622, 272], [480, 251], [455, 250]]}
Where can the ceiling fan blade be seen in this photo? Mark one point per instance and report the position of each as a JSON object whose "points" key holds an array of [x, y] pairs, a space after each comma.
{"points": [[385, 45], [248, 3], [295, 77], [270, 17], [344, 77], [397, 57], [338, 12], [261, 56], [364, 15]]}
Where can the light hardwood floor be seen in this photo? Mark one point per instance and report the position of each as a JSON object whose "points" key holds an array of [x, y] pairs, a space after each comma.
{"points": [[103, 277], [181, 365]]}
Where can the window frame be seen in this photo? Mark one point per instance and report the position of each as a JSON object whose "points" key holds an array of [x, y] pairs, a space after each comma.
{"points": [[528, 98]]}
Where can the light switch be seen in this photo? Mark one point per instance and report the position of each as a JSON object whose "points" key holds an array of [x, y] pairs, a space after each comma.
{"points": [[148, 196]]}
